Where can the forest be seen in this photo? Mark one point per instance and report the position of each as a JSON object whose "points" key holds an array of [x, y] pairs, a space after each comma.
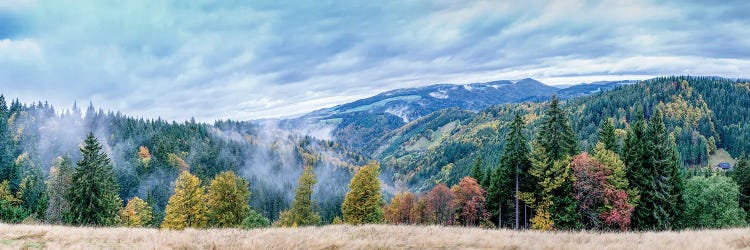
{"points": [[632, 158]]}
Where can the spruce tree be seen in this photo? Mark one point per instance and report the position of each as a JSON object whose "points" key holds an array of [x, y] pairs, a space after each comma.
{"points": [[477, 171], [667, 176], [302, 212], [556, 140], [608, 137], [363, 203], [7, 145], [515, 160], [639, 175], [93, 194]]}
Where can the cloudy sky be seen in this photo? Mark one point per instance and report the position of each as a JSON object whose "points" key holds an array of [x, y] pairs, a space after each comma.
{"points": [[254, 59]]}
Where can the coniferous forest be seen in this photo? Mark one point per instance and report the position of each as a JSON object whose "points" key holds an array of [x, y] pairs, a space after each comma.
{"points": [[635, 157]]}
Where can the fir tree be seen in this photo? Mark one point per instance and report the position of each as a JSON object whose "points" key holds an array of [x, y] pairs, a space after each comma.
{"points": [[302, 212], [187, 207], [556, 141], [668, 180], [741, 175], [363, 203], [93, 194], [639, 175], [477, 171], [515, 161], [228, 198], [608, 137]]}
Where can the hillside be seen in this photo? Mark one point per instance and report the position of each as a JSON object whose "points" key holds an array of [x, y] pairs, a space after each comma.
{"points": [[359, 237]]}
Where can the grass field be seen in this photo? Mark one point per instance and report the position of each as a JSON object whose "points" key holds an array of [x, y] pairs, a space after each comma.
{"points": [[361, 237]]}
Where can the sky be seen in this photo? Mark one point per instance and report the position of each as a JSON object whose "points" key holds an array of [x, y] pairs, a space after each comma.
{"points": [[246, 60]]}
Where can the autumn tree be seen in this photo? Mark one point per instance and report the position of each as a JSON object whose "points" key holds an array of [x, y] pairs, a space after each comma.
{"points": [[601, 204], [93, 194], [399, 211], [187, 207], [137, 213], [362, 204], [439, 206], [469, 201], [228, 197], [11, 210], [58, 186], [302, 212]]}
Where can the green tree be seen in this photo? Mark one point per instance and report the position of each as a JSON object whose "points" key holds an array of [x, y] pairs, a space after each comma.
{"points": [[477, 171], [742, 177], [363, 203], [711, 202], [228, 198], [667, 200], [608, 136], [187, 207], [58, 186], [514, 163], [7, 166], [11, 210], [556, 141], [136, 214], [255, 220], [93, 194], [302, 212]]}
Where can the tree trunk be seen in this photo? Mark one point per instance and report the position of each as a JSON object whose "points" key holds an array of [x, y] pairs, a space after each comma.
{"points": [[516, 227]]}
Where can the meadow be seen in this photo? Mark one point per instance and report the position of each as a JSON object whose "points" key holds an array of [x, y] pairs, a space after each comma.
{"points": [[359, 237]]}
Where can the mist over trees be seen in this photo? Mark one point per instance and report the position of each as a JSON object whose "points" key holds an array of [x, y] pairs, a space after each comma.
{"points": [[634, 158]]}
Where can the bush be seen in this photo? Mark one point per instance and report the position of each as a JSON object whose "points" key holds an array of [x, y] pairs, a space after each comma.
{"points": [[255, 220]]}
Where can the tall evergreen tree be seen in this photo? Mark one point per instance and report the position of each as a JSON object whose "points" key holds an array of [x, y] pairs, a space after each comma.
{"points": [[477, 171], [639, 175], [302, 212], [556, 140], [515, 160], [363, 203], [7, 145], [668, 180], [608, 137], [93, 194]]}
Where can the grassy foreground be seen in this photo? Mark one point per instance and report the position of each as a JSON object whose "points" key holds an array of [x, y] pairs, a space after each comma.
{"points": [[361, 237]]}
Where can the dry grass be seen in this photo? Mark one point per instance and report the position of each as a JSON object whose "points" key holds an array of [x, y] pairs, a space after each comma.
{"points": [[362, 237]]}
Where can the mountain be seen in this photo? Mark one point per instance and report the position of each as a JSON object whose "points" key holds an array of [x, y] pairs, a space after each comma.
{"points": [[359, 124]]}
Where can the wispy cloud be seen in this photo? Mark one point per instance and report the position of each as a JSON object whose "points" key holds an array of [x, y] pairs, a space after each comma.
{"points": [[234, 59]]}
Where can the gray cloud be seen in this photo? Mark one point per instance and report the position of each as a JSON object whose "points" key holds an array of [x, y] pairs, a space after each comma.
{"points": [[231, 59]]}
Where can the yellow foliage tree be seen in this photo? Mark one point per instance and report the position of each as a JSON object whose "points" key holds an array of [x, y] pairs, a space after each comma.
{"points": [[187, 207], [144, 155], [228, 198], [363, 203], [136, 214]]}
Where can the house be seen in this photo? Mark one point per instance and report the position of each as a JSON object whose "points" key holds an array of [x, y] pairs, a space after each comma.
{"points": [[724, 166]]}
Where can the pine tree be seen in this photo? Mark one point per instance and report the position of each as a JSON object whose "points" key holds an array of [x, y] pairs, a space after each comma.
{"points": [[7, 145], [58, 185], [668, 184], [477, 171], [363, 203], [608, 137], [187, 207], [228, 200], [556, 141], [638, 173], [136, 214], [93, 194], [302, 212], [515, 161]]}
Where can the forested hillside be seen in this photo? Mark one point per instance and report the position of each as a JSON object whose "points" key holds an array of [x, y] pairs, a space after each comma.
{"points": [[451, 166]]}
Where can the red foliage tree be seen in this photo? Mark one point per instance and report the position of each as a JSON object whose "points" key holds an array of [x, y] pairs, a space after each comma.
{"points": [[600, 204], [469, 202], [439, 207]]}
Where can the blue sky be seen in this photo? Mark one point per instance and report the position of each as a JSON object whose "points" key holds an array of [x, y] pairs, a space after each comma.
{"points": [[255, 59]]}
